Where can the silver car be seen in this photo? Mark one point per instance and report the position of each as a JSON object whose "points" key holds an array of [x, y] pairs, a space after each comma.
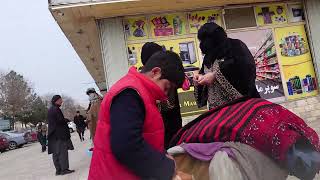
{"points": [[15, 139]]}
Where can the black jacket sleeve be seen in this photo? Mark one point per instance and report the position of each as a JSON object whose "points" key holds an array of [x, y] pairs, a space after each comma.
{"points": [[127, 143], [60, 117]]}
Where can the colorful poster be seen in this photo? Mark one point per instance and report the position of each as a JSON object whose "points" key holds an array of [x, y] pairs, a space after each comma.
{"points": [[187, 50], [135, 28], [271, 14], [134, 55], [296, 62], [168, 25], [296, 13], [199, 18], [262, 47]]}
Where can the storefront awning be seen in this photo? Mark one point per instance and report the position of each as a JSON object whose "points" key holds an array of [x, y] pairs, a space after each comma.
{"points": [[77, 19]]}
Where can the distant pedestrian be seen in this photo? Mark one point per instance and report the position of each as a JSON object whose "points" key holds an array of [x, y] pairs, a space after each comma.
{"points": [[81, 125], [93, 110], [42, 136], [59, 141]]}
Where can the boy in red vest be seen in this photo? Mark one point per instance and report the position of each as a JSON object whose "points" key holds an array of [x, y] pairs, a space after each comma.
{"points": [[129, 140]]}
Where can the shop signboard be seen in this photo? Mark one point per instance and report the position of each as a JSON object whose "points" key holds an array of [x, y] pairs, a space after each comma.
{"points": [[296, 62], [198, 18], [188, 104], [168, 25], [271, 14], [135, 28]]}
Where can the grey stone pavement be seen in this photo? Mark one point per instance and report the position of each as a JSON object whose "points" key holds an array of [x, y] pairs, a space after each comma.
{"points": [[29, 163]]}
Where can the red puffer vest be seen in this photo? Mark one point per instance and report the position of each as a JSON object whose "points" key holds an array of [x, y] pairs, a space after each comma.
{"points": [[103, 163]]}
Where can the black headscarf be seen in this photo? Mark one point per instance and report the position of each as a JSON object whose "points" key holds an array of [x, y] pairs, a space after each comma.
{"points": [[238, 64], [214, 43], [148, 49]]}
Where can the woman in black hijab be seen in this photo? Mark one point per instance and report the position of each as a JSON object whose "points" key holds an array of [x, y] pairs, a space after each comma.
{"points": [[227, 59]]}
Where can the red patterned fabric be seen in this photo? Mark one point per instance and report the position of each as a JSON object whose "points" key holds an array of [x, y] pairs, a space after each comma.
{"points": [[268, 127]]}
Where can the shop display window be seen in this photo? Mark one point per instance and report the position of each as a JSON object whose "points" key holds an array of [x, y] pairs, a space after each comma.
{"points": [[274, 33], [240, 18], [262, 47]]}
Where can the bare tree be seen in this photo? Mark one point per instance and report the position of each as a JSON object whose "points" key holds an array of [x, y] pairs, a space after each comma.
{"points": [[15, 96], [69, 106]]}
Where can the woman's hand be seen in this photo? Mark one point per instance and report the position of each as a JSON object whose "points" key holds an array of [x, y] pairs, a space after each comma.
{"points": [[206, 79], [196, 78]]}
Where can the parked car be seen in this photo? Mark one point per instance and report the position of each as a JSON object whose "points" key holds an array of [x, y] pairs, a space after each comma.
{"points": [[34, 137], [72, 126], [4, 144], [15, 139]]}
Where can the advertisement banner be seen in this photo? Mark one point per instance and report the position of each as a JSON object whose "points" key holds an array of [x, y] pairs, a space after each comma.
{"points": [[187, 49], [134, 55], [296, 62], [188, 104], [199, 18], [262, 47], [271, 14], [168, 25], [135, 28]]}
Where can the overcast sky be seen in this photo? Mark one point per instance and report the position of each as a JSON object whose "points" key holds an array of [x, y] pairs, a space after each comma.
{"points": [[33, 45]]}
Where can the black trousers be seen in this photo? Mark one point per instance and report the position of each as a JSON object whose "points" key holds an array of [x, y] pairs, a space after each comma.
{"points": [[60, 155], [81, 134], [43, 141]]}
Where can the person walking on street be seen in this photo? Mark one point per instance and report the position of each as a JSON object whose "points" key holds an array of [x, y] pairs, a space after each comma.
{"points": [[59, 141], [42, 136], [93, 110], [81, 125]]}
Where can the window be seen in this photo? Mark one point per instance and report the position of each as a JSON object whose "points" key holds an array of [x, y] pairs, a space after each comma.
{"points": [[240, 18]]}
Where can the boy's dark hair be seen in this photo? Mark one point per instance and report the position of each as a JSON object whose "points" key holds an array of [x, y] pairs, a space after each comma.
{"points": [[170, 65], [148, 49]]}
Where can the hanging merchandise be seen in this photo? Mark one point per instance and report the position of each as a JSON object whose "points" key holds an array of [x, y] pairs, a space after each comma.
{"points": [[296, 62], [268, 79], [198, 18], [271, 14]]}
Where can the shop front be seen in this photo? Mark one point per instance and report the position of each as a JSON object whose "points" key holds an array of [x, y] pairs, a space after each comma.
{"points": [[277, 34]]}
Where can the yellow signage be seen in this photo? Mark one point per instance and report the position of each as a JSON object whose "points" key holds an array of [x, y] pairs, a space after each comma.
{"points": [[168, 25], [134, 55], [199, 18], [136, 28], [271, 14], [296, 62]]}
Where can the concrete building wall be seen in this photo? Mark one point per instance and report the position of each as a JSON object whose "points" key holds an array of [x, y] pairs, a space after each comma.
{"points": [[114, 52]]}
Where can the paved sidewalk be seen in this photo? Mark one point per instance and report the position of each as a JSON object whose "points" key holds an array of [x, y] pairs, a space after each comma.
{"points": [[28, 163]]}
